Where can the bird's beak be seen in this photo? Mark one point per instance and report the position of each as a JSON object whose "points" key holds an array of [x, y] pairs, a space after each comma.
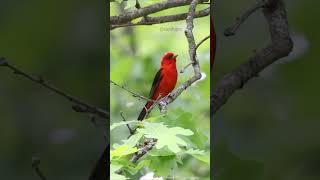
{"points": [[175, 56]]}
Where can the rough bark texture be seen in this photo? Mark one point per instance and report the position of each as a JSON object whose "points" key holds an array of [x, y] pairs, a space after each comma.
{"points": [[281, 45]]}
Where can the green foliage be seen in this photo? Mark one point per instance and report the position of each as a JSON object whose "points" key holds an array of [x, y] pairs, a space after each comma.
{"points": [[166, 137], [170, 152], [113, 175]]}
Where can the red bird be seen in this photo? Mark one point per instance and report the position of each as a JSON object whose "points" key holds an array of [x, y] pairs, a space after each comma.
{"points": [[163, 83]]}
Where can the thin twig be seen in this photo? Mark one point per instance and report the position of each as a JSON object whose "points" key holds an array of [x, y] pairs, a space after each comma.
{"points": [[131, 92], [157, 101], [79, 105], [235, 26], [202, 41], [185, 67], [35, 166], [198, 45], [124, 119]]}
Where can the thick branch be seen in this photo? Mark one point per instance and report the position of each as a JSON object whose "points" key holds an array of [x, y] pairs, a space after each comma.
{"points": [[79, 105], [163, 19], [193, 59], [130, 15], [281, 45]]}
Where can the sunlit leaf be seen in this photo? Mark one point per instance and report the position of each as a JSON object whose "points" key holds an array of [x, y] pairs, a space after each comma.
{"points": [[122, 150], [165, 136], [199, 154], [113, 174]]}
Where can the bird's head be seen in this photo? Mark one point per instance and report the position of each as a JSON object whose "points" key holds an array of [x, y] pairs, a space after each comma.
{"points": [[168, 59]]}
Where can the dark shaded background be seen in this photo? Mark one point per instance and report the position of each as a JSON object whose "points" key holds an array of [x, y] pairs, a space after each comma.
{"points": [[270, 128], [65, 42]]}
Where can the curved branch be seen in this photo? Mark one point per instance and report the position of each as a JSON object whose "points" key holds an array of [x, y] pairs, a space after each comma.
{"points": [[281, 45], [232, 29]]}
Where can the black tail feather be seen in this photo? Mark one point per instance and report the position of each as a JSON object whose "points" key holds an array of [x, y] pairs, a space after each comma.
{"points": [[143, 113]]}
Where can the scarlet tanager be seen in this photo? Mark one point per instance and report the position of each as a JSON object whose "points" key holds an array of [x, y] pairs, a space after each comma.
{"points": [[163, 83]]}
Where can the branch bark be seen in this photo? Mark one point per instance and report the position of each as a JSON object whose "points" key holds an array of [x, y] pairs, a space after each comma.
{"points": [[192, 56], [281, 45], [162, 19], [130, 15]]}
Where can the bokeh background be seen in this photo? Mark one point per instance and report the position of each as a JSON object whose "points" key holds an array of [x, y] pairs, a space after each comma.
{"points": [[65, 42], [135, 59], [270, 128]]}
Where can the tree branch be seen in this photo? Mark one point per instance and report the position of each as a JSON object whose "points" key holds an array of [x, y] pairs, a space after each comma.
{"points": [[130, 15], [143, 150], [79, 105], [197, 46], [193, 59], [235, 26], [162, 19], [131, 92], [128, 126], [202, 41], [281, 45]]}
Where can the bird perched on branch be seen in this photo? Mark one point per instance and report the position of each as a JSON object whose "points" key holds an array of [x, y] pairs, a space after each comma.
{"points": [[163, 83]]}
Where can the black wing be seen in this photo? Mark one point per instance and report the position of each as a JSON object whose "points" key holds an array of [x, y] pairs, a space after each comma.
{"points": [[156, 82]]}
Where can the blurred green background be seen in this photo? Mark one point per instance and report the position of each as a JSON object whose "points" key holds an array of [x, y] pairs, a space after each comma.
{"points": [[135, 59], [270, 128], [65, 42]]}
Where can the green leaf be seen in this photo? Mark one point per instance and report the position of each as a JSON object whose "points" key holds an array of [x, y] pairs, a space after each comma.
{"points": [[113, 174], [165, 136], [200, 155], [163, 166], [118, 124], [122, 150], [133, 140], [178, 117], [135, 169], [161, 152]]}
